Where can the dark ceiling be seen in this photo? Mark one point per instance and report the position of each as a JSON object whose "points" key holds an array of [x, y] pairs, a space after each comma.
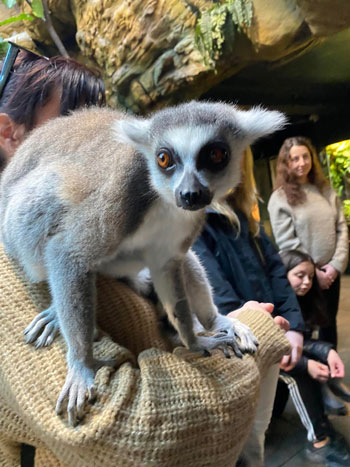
{"points": [[314, 91]]}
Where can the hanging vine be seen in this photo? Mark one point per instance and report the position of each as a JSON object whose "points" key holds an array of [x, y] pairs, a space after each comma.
{"points": [[220, 23]]}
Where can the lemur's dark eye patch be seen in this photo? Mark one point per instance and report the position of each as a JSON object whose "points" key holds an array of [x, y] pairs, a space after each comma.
{"points": [[213, 157], [165, 159]]}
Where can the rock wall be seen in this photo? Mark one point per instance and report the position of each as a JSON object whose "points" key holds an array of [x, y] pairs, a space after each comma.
{"points": [[149, 53]]}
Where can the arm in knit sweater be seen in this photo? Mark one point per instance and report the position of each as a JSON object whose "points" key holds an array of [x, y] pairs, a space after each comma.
{"points": [[281, 217]]}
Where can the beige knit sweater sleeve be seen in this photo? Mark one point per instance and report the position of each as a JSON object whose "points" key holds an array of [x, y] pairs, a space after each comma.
{"points": [[158, 408], [282, 223]]}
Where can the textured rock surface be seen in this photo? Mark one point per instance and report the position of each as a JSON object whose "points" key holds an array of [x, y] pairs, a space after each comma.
{"points": [[147, 52]]}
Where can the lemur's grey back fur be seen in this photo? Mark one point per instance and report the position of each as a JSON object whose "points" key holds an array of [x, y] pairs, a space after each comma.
{"points": [[103, 191]]}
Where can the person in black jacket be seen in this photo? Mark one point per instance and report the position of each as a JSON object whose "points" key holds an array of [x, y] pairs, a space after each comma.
{"points": [[319, 365], [242, 265]]}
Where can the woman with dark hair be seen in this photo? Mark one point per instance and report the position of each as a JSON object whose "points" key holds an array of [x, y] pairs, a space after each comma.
{"points": [[319, 365], [306, 215], [37, 88]]}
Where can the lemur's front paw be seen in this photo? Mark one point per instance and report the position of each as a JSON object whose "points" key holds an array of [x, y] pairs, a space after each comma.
{"points": [[43, 329], [230, 333], [248, 343], [79, 384]]}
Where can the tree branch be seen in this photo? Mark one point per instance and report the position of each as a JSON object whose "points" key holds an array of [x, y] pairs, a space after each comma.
{"points": [[54, 36]]}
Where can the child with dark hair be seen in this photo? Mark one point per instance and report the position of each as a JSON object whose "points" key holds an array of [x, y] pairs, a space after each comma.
{"points": [[37, 88], [319, 365]]}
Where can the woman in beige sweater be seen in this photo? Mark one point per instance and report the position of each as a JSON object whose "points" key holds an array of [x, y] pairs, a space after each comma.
{"points": [[306, 215]]}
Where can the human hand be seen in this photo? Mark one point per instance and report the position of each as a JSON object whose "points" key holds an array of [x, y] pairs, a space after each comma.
{"points": [[331, 272], [318, 371], [323, 279], [266, 308], [336, 364], [296, 339], [252, 304]]}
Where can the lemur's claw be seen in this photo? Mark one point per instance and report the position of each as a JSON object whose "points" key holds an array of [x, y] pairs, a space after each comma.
{"points": [[78, 387], [229, 333]]}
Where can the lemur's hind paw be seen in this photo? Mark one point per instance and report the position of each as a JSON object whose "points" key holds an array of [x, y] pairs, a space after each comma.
{"points": [[43, 329]]}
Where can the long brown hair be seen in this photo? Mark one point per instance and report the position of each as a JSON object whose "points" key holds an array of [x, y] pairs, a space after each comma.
{"points": [[288, 181], [244, 198]]}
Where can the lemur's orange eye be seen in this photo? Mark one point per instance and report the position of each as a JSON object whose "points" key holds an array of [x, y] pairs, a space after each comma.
{"points": [[217, 155], [164, 160]]}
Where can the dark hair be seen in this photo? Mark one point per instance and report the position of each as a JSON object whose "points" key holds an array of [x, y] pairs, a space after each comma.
{"points": [[288, 181], [34, 79], [291, 258], [312, 304]]}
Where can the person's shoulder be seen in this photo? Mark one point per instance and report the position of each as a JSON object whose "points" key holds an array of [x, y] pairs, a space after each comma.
{"points": [[278, 196]]}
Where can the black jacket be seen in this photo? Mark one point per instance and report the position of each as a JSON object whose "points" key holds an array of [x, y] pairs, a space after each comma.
{"points": [[242, 268]]}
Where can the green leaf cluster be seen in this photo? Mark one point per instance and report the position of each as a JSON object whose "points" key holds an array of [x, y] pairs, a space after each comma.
{"points": [[37, 11], [346, 207], [219, 24], [338, 162]]}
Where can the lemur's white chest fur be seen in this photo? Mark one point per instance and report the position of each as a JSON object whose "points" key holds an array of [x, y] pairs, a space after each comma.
{"points": [[159, 238]]}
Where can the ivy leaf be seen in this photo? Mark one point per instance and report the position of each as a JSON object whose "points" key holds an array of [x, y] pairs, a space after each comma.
{"points": [[21, 17], [37, 8], [9, 3]]}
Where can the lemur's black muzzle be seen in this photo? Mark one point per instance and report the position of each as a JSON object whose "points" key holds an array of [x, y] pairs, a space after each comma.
{"points": [[191, 194]]}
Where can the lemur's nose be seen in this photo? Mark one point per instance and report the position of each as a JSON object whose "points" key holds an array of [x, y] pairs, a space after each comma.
{"points": [[191, 198], [191, 194]]}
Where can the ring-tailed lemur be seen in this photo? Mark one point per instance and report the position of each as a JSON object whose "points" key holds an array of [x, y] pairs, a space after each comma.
{"points": [[103, 191]]}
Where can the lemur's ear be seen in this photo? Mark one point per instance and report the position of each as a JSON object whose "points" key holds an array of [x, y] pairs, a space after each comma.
{"points": [[258, 122], [134, 131]]}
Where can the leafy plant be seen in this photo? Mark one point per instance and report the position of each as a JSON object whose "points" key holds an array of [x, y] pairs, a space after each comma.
{"points": [[36, 6], [40, 10], [346, 206], [37, 11], [220, 23], [338, 163]]}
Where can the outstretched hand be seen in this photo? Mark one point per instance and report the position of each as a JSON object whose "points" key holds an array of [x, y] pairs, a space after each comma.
{"points": [[266, 308]]}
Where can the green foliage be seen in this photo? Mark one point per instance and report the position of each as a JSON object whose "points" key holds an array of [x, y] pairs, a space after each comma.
{"points": [[346, 206], [219, 23], [3, 47], [13, 19], [37, 8], [338, 162]]}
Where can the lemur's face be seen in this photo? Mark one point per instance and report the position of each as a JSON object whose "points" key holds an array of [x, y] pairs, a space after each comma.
{"points": [[194, 150], [193, 165]]}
